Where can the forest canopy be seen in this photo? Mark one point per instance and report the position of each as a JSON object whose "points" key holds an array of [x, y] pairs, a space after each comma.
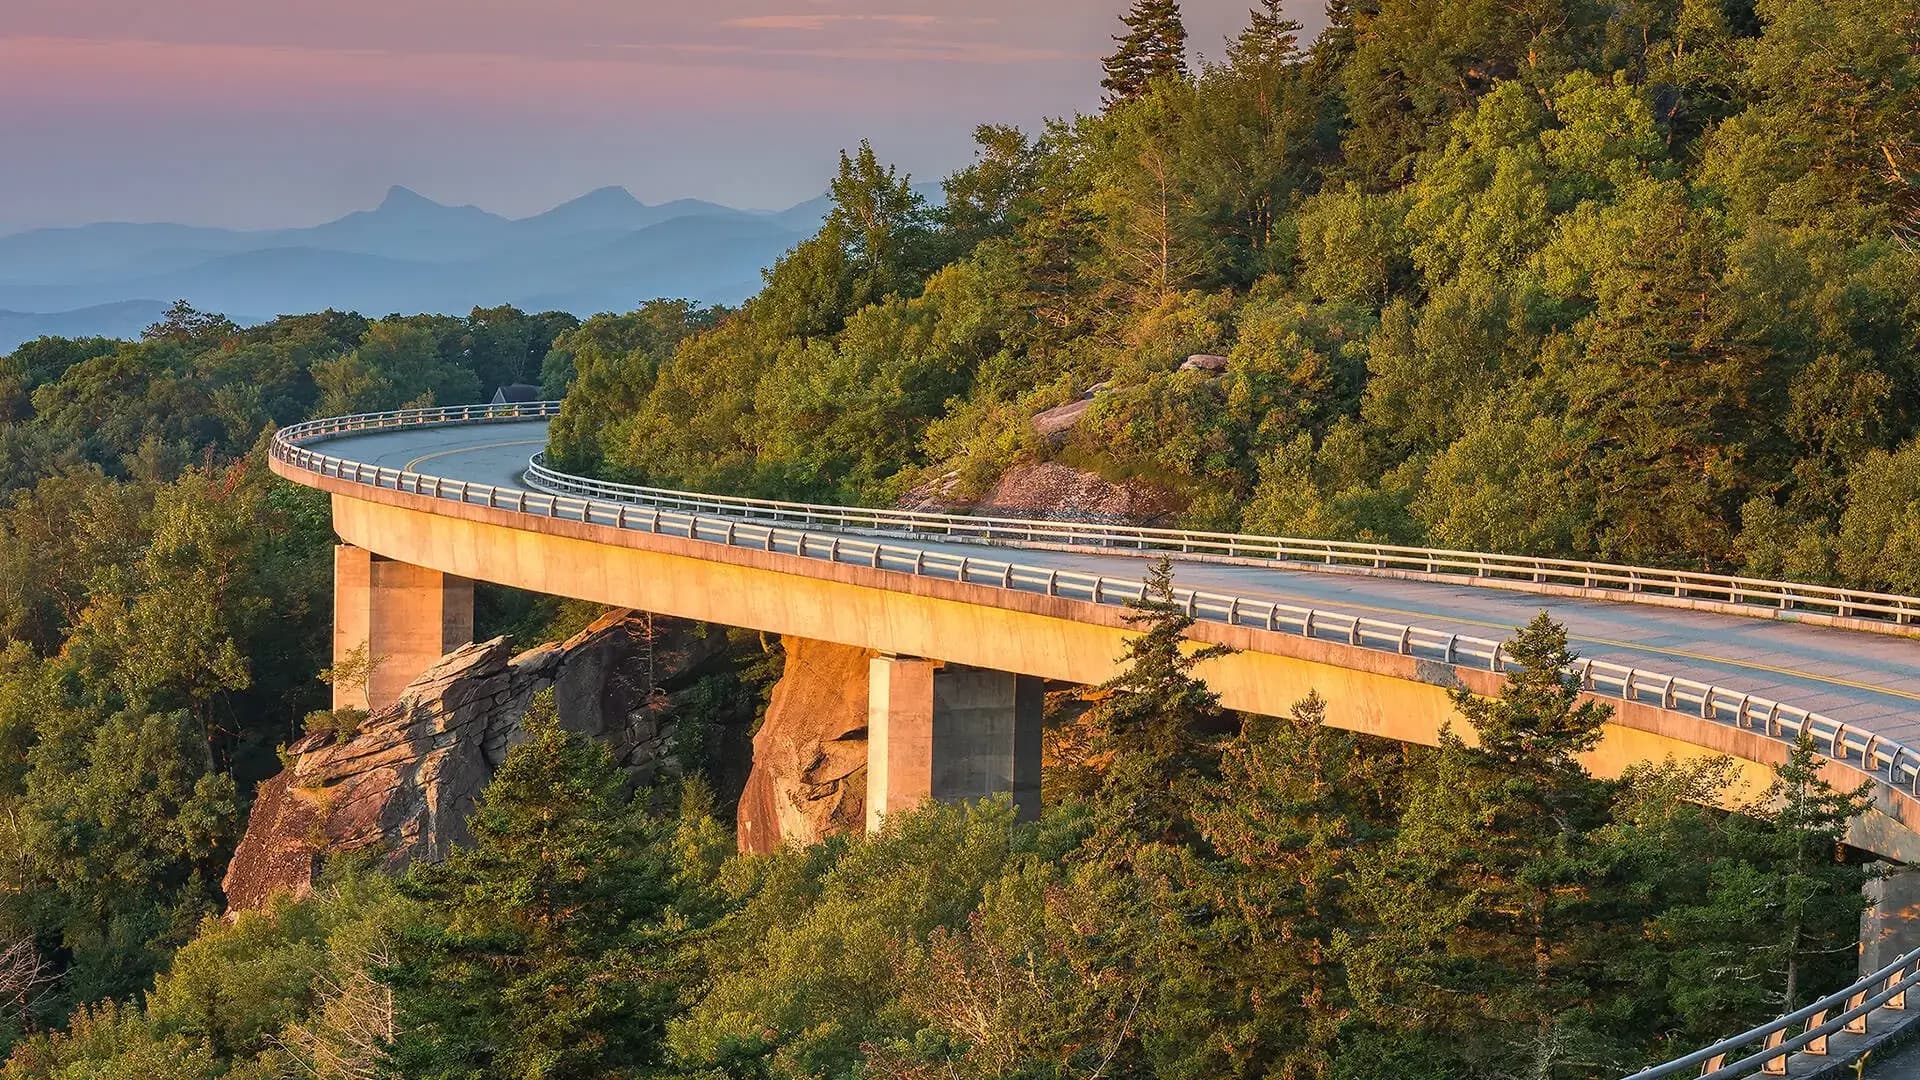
{"points": [[1630, 282]]}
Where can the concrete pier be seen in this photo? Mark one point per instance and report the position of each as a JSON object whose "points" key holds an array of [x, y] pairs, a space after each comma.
{"points": [[1890, 927], [406, 618], [951, 734]]}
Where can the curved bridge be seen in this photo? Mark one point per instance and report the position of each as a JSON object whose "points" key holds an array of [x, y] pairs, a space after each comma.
{"points": [[1686, 665], [969, 614]]}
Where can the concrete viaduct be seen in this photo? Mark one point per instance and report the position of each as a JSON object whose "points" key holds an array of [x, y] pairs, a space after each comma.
{"points": [[970, 615]]}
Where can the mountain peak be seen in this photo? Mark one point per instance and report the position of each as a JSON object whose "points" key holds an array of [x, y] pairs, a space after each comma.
{"points": [[611, 195], [405, 198]]}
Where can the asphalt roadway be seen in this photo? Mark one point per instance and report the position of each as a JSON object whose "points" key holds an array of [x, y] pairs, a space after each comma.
{"points": [[1864, 680]]}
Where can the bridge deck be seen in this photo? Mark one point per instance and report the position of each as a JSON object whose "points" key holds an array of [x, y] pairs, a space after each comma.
{"points": [[1861, 679]]}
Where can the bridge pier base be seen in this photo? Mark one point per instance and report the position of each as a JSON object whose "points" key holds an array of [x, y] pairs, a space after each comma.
{"points": [[406, 618], [950, 734], [1890, 927]]}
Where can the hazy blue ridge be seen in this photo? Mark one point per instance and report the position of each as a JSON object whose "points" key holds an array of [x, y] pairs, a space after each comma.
{"points": [[603, 251]]}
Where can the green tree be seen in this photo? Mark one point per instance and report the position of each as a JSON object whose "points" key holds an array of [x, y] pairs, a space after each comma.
{"points": [[1783, 900], [1296, 803], [1153, 727], [1506, 935], [1153, 49], [1270, 37], [181, 324], [547, 951]]}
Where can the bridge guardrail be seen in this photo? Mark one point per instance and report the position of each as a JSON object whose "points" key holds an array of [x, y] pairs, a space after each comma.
{"points": [[770, 526], [1772, 1044], [1684, 584]]}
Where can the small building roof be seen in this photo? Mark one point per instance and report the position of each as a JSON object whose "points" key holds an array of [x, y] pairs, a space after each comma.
{"points": [[516, 394]]}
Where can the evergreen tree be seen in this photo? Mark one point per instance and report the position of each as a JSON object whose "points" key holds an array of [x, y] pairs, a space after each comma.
{"points": [[1153, 48], [1538, 725], [1270, 38], [1503, 944], [1777, 924], [545, 957], [1151, 730], [1295, 804]]}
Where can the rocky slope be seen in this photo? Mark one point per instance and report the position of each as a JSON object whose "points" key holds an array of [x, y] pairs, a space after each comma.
{"points": [[404, 783], [809, 778]]}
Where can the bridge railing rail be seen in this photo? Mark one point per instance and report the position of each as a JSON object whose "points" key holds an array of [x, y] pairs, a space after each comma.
{"points": [[785, 527], [1761, 592], [1764, 1050], [1474, 565]]}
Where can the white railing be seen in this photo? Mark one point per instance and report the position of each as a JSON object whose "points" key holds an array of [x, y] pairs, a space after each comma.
{"points": [[789, 528], [1844, 1016], [1612, 581], [1767, 597]]}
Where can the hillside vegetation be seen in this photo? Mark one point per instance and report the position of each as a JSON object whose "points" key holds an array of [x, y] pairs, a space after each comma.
{"points": [[1623, 281]]}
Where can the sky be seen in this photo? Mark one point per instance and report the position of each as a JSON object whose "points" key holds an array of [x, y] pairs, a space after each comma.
{"points": [[260, 113]]}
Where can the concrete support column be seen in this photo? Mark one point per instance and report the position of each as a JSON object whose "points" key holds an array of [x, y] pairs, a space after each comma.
{"points": [[1890, 927], [406, 618], [950, 734]]}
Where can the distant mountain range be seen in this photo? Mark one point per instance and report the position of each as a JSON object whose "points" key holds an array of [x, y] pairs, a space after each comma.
{"points": [[604, 251]]}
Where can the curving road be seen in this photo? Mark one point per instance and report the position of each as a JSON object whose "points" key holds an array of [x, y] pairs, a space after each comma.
{"points": [[1864, 680]]}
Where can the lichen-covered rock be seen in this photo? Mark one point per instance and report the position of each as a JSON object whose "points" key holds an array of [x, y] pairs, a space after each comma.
{"points": [[404, 784], [809, 778]]}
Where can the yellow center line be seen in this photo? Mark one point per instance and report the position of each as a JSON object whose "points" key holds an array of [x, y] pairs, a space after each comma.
{"points": [[1656, 651], [415, 463]]}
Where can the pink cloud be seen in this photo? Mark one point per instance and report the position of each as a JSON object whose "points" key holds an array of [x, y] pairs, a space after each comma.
{"points": [[821, 21], [39, 72]]}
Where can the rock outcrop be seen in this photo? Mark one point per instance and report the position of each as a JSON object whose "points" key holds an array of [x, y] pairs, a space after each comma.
{"points": [[1206, 363], [1051, 490], [809, 778], [404, 783]]}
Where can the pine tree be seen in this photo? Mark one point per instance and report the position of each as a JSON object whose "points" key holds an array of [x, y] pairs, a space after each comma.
{"points": [[547, 955], [1270, 37], [1295, 805], [1151, 729], [1153, 48], [1502, 933], [1815, 887], [1537, 725], [1334, 46]]}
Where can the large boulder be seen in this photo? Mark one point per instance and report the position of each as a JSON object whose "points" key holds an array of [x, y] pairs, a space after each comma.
{"points": [[404, 783], [809, 778], [1057, 492]]}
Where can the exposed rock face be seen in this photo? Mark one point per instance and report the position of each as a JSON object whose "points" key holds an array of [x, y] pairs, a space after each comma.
{"points": [[1048, 489], [405, 783], [809, 778], [1062, 419], [1205, 362]]}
